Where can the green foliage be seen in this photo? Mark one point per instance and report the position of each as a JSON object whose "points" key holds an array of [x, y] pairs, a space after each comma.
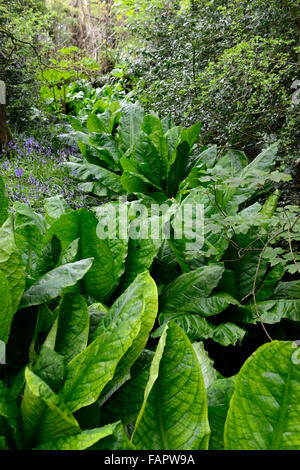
{"points": [[25, 40], [276, 406], [68, 67], [144, 153], [230, 65], [115, 332], [71, 361]]}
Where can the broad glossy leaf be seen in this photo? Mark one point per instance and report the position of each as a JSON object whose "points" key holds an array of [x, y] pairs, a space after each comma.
{"points": [[218, 399], [126, 402], [264, 409], [70, 253], [264, 161], [54, 207], [11, 264], [188, 226], [233, 161], [142, 250], [90, 371], [146, 160], [174, 412], [271, 311], [245, 268], [96, 313], [184, 294], [151, 124], [79, 441], [94, 124], [287, 290], [117, 441], [6, 308], [209, 373], [106, 151], [109, 253], [73, 326], [25, 215], [135, 183], [228, 333], [267, 287], [106, 179], [207, 156], [50, 367], [215, 242], [44, 415], [53, 283], [194, 326], [130, 125], [180, 145], [143, 287]]}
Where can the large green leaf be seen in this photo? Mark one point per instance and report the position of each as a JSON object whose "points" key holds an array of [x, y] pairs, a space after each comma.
{"points": [[143, 287], [55, 207], [270, 311], [116, 441], [174, 412], [109, 253], [132, 181], [179, 155], [50, 367], [146, 160], [194, 326], [152, 124], [188, 290], [287, 290], [142, 249], [130, 125], [79, 441], [126, 402], [206, 364], [73, 326], [264, 409], [245, 267], [103, 151], [263, 162], [6, 309], [215, 242], [188, 226], [218, 399], [107, 180], [228, 333], [94, 124], [29, 231], [90, 371], [44, 414], [11, 264], [53, 283], [233, 161]]}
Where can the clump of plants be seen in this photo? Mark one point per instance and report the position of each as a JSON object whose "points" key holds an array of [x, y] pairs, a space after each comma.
{"points": [[82, 313]]}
